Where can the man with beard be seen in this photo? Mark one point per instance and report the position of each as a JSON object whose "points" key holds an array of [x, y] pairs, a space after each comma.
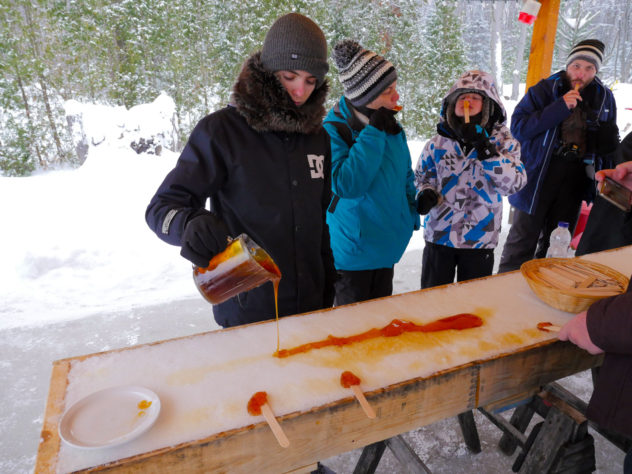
{"points": [[566, 126], [264, 162]]}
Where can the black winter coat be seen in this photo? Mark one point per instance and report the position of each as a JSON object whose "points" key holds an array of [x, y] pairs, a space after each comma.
{"points": [[608, 227], [609, 323], [265, 165]]}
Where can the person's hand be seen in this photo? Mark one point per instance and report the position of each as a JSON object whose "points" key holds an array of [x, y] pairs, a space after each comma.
{"points": [[384, 119], [477, 136], [426, 200], [621, 174], [571, 98], [576, 331], [204, 236]]}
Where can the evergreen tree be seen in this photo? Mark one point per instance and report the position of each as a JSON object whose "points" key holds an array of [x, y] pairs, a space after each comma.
{"points": [[575, 23], [442, 59]]}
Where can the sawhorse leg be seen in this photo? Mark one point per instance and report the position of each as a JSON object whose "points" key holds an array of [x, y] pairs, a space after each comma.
{"points": [[520, 420], [470, 433], [371, 455], [560, 443]]}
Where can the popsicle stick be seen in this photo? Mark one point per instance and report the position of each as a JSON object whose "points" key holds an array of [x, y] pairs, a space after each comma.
{"points": [[274, 425], [562, 282], [579, 276], [566, 274], [368, 410], [587, 282], [577, 87], [466, 110]]}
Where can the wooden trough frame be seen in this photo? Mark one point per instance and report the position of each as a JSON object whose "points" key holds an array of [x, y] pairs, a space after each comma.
{"points": [[493, 382], [338, 427]]}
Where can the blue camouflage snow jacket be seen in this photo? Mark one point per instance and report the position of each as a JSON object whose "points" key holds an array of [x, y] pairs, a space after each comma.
{"points": [[469, 213]]}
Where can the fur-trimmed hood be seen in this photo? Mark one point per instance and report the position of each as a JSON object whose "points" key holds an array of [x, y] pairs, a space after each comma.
{"points": [[267, 107]]}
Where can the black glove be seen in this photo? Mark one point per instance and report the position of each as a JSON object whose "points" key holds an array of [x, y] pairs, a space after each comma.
{"points": [[384, 119], [204, 236], [426, 200], [476, 136]]}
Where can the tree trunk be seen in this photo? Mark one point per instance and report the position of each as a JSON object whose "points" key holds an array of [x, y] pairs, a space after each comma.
{"points": [[496, 49], [27, 111], [517, 72], [51, 120]]}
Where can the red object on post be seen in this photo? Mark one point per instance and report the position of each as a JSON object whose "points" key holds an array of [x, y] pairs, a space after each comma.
{"points": [[529, 12], [581, 224]]}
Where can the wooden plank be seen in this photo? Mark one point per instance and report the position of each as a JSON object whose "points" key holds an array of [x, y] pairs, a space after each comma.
{"points": [[342, 426], [318, 434], [406, 456], [531, 367], [49, 439], [469, 431], [556, 430], [543, 42], [370, 458]]}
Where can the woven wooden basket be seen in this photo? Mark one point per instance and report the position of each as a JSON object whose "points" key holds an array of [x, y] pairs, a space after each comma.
{"points": [[560, 294]]}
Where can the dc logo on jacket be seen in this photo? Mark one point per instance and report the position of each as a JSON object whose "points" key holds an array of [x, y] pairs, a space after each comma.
{"points": [[316, 166]]}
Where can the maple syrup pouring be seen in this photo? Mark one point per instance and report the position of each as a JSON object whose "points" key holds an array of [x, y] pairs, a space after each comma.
{"points": [[396, 327]]}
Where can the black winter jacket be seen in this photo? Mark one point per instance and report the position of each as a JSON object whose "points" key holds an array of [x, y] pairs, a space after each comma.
{"points": [[265, 165], [608, 227], [609, 323]]}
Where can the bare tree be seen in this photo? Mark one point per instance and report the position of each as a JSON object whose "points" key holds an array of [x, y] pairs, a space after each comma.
{"points": [[496, 48]]}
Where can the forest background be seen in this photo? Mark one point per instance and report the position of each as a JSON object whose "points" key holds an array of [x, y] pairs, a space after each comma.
{"points": [[126, 52]]}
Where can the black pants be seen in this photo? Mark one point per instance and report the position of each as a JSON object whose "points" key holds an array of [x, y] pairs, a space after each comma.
{"points": [[440, 264], [560, 199], [362, 285], [627, 463]]}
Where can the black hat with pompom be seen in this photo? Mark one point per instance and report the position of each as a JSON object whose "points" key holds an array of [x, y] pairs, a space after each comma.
{"points": [[364, 74]]}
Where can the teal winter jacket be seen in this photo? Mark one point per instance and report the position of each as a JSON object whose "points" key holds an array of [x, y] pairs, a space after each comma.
{"points": [[374, 214]]}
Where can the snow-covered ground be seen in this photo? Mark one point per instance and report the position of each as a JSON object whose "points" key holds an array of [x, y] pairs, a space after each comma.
{"points": [[81, 273]]}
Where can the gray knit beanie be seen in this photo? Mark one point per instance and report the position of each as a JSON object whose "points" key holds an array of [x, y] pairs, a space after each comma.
{"points": [[295, 43], [590, 50], [364, 74]]}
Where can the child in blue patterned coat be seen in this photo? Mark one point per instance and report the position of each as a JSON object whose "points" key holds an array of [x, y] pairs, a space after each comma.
{"points": [[461, 176]]}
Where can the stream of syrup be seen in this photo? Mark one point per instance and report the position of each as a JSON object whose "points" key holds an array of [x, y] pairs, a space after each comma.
{"points": [[395, 328]]}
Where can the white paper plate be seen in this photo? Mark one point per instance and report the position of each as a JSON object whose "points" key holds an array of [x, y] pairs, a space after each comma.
{"points": [[109, 417]]}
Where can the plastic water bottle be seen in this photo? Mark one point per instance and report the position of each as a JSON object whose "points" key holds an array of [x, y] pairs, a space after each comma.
{"points": [[559, 241]]}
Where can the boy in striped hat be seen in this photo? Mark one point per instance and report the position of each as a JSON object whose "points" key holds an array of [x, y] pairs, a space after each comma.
{"points": [[373, 212]]}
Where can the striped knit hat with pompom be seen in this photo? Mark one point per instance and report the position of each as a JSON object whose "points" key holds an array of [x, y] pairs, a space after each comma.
{"points": [[590, 50], [364, 74]]}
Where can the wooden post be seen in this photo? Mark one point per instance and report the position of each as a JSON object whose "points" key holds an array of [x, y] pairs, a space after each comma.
{"points": [[370, 458], [543, 42], [470, 433], [520, 420]]}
